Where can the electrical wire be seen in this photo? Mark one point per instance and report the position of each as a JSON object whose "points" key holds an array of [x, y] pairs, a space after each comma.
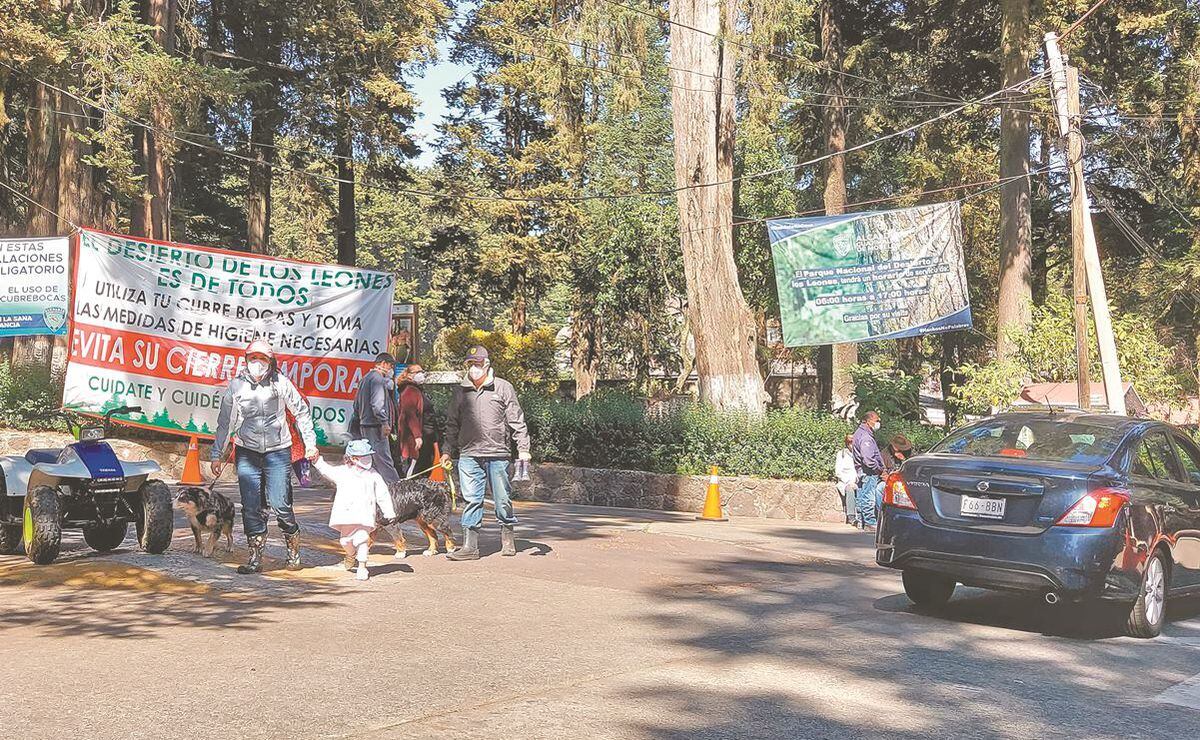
{"points": [[772, 52], [26, 198], [544, 199]]}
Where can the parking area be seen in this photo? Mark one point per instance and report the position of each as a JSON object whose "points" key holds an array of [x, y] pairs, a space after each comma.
{"points": [[609, 623]]}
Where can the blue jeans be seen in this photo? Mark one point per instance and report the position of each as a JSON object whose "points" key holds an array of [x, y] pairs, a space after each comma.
{"points": [[265, 479], [865, 498], [474, 475]]}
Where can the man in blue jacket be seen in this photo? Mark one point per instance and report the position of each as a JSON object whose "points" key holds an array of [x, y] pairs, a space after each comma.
{"points": [[374, 414], [868, 461]]}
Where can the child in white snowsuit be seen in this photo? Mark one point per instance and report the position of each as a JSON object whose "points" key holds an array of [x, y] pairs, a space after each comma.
{"points": [[359, 491]]}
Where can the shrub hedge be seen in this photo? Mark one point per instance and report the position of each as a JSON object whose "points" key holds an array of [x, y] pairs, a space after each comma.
{"points": [[29, 399], [609, 429]]}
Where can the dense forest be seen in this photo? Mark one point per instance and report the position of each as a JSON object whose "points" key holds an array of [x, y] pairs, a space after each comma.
{"points": [[555, 199]]}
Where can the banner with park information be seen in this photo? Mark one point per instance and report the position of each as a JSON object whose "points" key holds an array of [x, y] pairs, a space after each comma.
{"points": [[33, 286], [871, 275], [164, 326]]}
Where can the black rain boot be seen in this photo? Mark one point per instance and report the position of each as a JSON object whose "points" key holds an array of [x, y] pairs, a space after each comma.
{"points": [[470, 547], [508, 543], [293, 549], [256, 544]]}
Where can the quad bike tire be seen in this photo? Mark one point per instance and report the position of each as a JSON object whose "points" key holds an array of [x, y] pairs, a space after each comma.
{"points": [[156, 522], [10, 540], [105, 537], [42, 525], [10, 534]]}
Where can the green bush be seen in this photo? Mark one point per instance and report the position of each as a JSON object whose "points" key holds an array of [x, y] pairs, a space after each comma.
{"points": [[29, 399], [610, 429], [893, 395]]}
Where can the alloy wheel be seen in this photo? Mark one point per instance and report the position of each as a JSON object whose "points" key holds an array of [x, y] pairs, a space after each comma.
{"points": [[1155, 591]]}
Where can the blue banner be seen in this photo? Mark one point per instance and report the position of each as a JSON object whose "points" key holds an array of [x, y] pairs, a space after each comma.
{"points": [[34, 282]]}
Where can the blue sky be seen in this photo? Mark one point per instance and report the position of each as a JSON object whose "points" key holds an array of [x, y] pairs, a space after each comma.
{"points": [[432, 110]]}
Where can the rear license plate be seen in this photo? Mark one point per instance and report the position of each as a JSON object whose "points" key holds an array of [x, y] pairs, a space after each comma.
{"points": [[984, 508]]}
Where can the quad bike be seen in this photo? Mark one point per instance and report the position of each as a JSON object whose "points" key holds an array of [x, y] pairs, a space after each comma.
{"points": [[81, 486]]}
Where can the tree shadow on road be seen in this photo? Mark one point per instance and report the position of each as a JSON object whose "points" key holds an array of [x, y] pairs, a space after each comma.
{"points": [[835, 650]]}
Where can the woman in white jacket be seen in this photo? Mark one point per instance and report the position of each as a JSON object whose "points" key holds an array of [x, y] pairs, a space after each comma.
{"points": [[360, 490]]}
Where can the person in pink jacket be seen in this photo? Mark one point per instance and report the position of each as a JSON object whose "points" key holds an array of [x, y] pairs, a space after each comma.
{"points": [[360, 490]]}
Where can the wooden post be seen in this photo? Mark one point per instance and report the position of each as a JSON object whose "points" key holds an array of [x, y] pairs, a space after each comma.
{"points": [[1079, 263], [1113, 390]]}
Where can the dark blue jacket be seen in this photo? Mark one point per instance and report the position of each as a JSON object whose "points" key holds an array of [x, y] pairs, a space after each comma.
{"points": [[867, 459]]}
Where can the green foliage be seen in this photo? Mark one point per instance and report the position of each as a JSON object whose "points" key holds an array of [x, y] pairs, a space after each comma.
{"points": [[525, 360], [894, 395], [987, 386], [29, 399], [609, 429]]}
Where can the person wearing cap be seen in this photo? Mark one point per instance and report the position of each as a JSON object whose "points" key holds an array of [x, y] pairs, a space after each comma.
{"points": [[253, 420], [374, 414], [483, 422], [359, 492]]}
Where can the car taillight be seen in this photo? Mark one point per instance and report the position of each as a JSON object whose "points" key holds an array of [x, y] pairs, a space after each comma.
{"points": [[895, 493], [1099, 508]]}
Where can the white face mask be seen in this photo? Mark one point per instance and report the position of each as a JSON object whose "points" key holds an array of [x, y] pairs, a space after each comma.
{"points": [[362, 462], [875, 426], [419, 378], [257, 369], [476, 372]]}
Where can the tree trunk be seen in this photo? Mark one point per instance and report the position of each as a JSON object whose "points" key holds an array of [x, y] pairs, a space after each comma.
{"points": [[585, 350], [703, 121], [42, 162], [347, 247], [258, 184], [839, 385], [1013, 314], [156, 195]]}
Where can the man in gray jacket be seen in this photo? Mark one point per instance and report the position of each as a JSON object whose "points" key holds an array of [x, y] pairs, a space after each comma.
{"points": [[374, 414], [482, 423]]}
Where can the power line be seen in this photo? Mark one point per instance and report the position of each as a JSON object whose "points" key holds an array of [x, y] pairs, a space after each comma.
{"points": [[772, 52], [542, 199], [26, 198], [1079, 21], [787, 95]]}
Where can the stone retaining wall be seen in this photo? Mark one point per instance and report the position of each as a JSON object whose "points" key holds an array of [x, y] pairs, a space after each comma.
{"points": [[741, 496]]}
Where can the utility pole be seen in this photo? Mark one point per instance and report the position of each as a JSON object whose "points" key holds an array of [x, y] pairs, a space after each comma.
{"points": [[1078, 261], [1066, 101]]}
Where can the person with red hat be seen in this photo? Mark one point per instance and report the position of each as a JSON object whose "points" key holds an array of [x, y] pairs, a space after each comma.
{"points": [[253, 419]]}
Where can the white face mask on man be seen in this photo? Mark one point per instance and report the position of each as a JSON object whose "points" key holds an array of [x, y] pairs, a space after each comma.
{"points": [[257, 369], [476, 372]]}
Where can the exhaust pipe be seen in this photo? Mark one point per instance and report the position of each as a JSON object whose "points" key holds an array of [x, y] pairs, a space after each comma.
{"points": [[1052, 598]]}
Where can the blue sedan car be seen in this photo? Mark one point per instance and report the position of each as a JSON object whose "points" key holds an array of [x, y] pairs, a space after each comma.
{"points": [[1068, 505]]}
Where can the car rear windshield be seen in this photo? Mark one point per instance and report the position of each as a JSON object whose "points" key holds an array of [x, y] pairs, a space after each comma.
{"points": [[1034, 439]]}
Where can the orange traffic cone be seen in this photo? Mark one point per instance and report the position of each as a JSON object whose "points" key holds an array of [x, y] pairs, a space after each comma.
{"points": [[712, 500], [438, 473], [191, 466]]}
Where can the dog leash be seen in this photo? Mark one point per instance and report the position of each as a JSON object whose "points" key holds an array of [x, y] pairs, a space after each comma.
{"points": [[449, 479]]}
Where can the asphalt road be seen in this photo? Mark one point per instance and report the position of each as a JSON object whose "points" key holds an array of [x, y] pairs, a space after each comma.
{"points": [[608, 624]]}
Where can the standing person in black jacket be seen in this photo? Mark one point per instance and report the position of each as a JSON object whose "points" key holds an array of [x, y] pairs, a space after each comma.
{"points": [[374, 415], [482, 423]]}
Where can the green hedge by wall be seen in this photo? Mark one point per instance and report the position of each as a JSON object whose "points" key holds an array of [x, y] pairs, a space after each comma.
{"points": [[613, 430]]}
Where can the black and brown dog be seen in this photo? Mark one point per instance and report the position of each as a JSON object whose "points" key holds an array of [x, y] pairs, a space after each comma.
{"points": [[207, 511], [429, 504]]}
